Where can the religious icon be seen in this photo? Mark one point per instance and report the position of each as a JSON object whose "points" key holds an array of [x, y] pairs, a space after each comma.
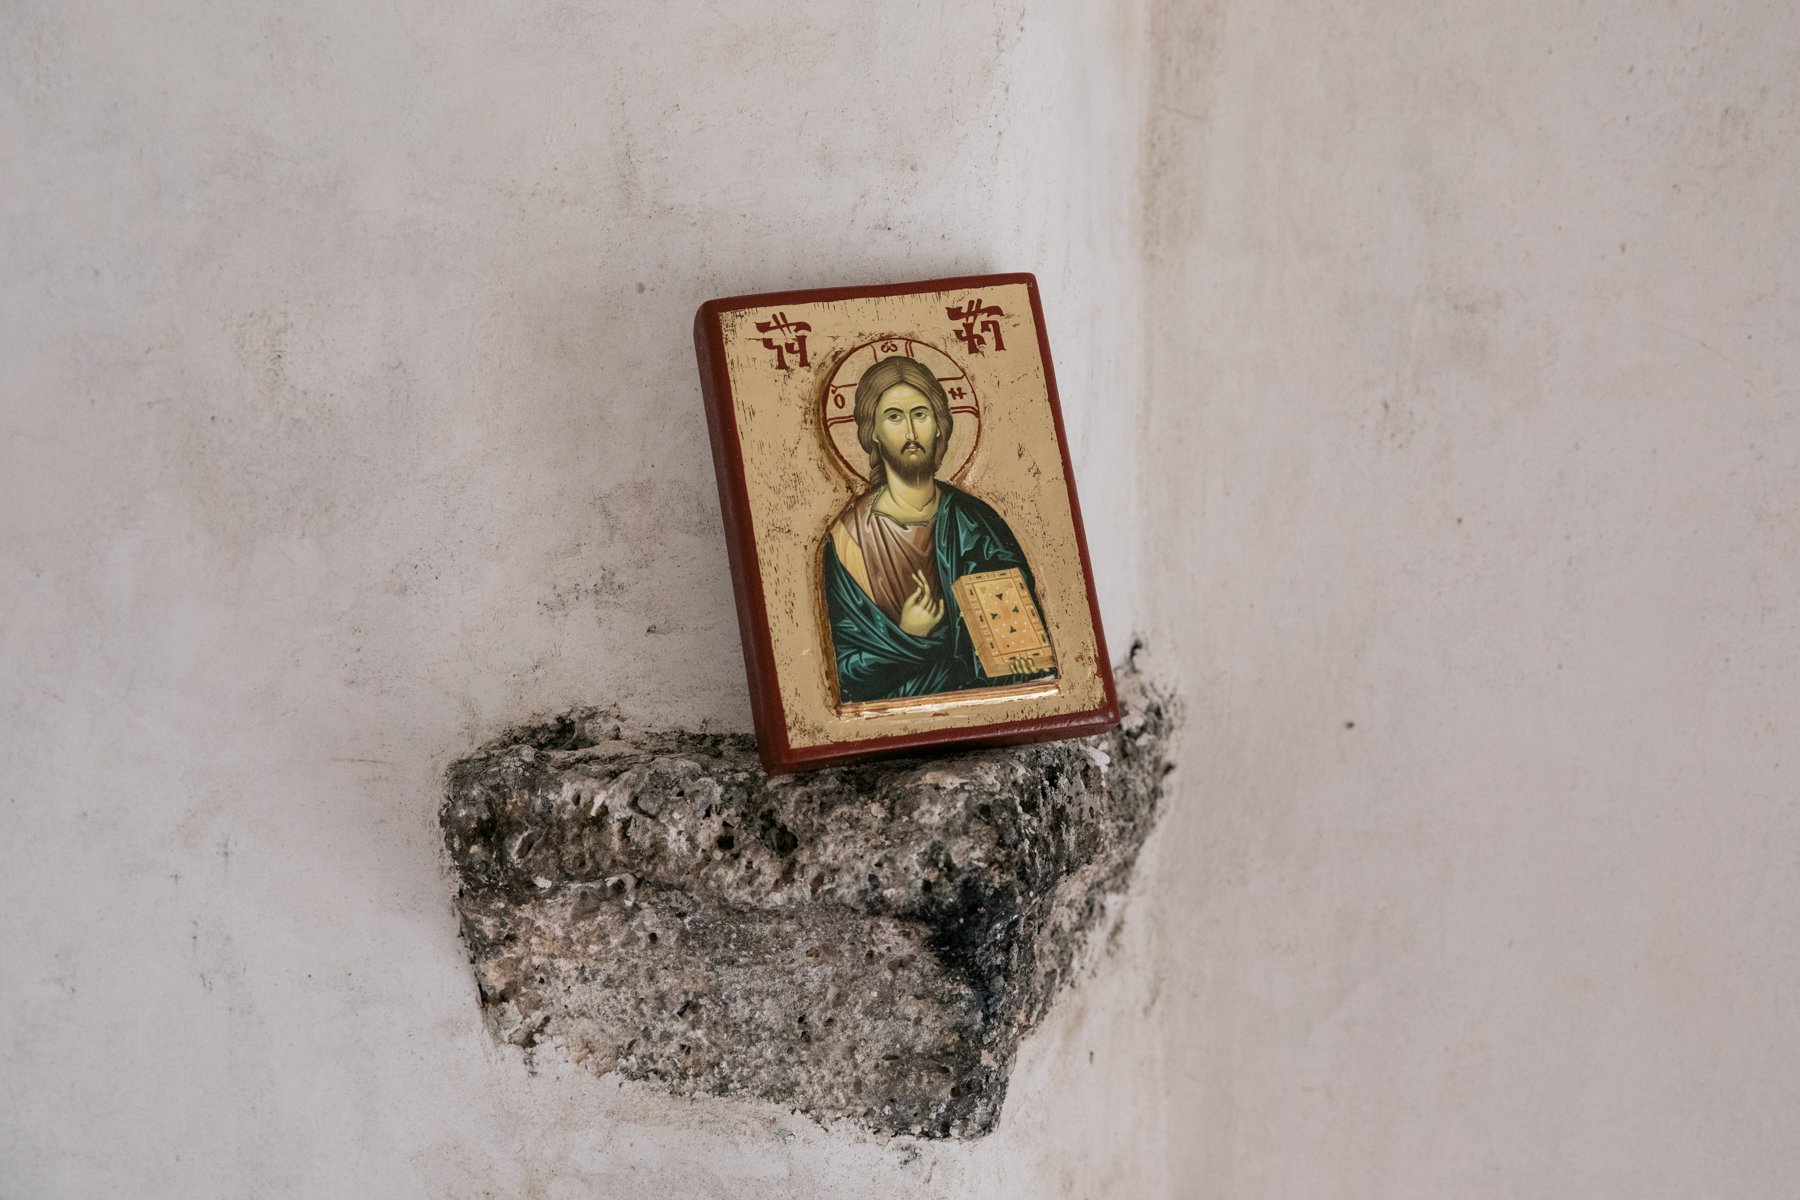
{"points": [[903, 531], [913, 553]]}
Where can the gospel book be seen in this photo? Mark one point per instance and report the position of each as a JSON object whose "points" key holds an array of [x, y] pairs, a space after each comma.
{"points": [[1004, 624]]}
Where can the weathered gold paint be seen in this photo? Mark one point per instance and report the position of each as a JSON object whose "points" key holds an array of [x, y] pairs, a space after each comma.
{"points": [[797, 488]]}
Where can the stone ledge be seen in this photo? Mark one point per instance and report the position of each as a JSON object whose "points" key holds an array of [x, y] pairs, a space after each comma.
{"points": [[866, 943]]}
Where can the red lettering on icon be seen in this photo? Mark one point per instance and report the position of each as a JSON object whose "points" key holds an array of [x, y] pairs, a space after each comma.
{"points": [[795, 345], [978, 324]]}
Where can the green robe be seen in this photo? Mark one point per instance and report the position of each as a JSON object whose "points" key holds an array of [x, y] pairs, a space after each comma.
{"points": [[876, 659]]}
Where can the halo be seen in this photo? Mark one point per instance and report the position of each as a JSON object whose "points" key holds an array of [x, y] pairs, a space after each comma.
{"points": [[837, 404]]}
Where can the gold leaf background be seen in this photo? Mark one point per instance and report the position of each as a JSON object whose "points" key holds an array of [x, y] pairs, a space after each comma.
{"points": [[796, 489]]}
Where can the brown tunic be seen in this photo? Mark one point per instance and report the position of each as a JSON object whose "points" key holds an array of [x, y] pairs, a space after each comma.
{"points": [[891, 552]]}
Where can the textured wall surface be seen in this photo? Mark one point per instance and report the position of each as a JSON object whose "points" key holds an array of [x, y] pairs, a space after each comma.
{"points": [[1481, 349], [350, 415], [1432, 384]]}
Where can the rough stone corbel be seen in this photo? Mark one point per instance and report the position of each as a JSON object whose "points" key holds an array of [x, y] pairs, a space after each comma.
{"points": [[866, 943]]}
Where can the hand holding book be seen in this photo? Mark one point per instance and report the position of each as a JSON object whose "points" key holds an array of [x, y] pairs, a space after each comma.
{"points": [[1004, 623]]}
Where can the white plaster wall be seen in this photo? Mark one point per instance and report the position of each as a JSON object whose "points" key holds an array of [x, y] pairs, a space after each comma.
{"points": [[350, 414], [1481, 350], [1431, 368]]}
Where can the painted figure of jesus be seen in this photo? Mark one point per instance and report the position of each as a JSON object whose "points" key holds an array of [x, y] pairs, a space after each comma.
{"points": [[894, 554]]}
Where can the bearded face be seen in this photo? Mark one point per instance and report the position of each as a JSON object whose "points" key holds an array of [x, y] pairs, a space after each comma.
{"points": [[907, 434]]}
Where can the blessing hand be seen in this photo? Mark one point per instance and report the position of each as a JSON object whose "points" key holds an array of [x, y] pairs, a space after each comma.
{"points": [[922, 610]]}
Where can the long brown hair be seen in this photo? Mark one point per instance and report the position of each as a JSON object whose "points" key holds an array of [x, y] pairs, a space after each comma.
{"points": [[890, 372]]}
